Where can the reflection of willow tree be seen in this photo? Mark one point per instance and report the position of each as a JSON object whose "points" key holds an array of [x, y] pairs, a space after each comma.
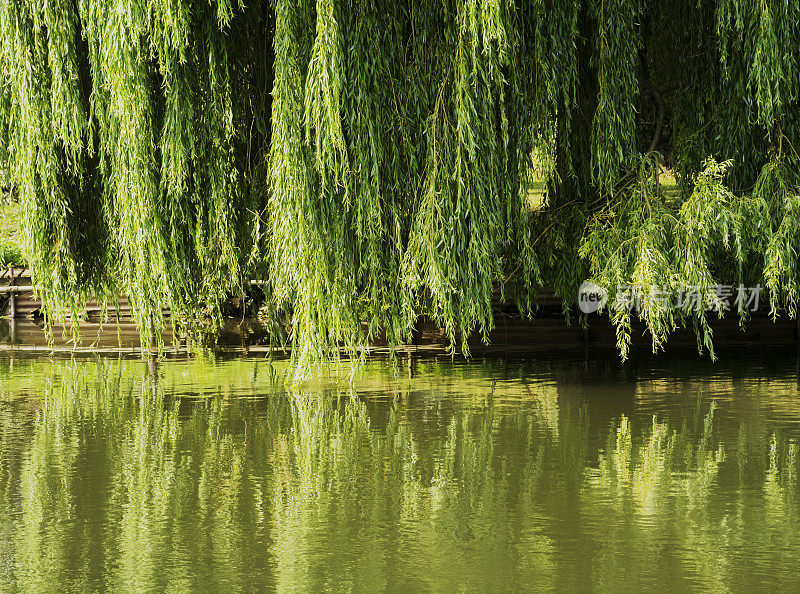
{"points": [[118, 480], [647, 489], [378, 501], [665, 487], [115, 486]]}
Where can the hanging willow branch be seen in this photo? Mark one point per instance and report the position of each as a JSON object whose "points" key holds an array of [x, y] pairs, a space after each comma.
{"points": [[122, 146], [373, 159]]}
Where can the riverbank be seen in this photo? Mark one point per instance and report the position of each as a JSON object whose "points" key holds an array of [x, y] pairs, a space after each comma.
{"points": [[22, 329], [511, 336], [10, 232]]}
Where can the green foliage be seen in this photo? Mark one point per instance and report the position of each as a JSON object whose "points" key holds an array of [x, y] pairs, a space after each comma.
{"points": [[778, 189], [121, 139], [471, 214], [614, 58], [628, 245], [10, 238], [666, 261], [371, 159], [10, 254], [395, 171]]}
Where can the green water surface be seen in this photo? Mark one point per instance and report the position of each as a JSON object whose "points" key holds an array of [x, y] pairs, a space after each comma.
{"points": [[566, 475]]}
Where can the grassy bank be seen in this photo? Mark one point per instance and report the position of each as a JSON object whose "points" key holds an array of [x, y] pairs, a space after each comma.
{"points": [[10, 232]]}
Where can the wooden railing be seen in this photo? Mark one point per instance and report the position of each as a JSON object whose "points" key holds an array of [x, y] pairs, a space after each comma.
{"points": [[13, 282]]}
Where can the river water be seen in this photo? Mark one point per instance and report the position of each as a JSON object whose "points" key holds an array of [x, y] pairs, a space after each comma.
{"points": [[521, 474]]}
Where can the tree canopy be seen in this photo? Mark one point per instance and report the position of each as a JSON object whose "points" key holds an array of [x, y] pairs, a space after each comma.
{"points": [[371, 159]]}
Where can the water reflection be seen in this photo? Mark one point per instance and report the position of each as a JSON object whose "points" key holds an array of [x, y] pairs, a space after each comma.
{"points": [[214, 476]]}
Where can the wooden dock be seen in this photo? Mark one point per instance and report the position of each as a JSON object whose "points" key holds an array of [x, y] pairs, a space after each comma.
{"points": [[21, 327], [21, 322], [18, 299]]}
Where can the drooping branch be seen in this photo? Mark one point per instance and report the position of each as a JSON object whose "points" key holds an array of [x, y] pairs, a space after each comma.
{"points": [[373, 158]]}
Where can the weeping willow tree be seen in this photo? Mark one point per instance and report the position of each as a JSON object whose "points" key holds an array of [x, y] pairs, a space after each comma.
{"points": [[400, 138], [371, 159], [133, 169]]}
